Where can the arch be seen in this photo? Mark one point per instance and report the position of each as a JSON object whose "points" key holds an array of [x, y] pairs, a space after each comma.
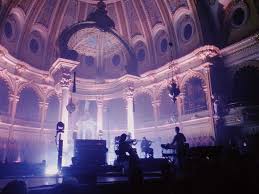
{"points": [[137, 46], [194, 95], [143, 90], [245, 85], [138, 38], [192, 74], [161, 34], [28, 105], [157, 28], [143, 110], [7, 79], [4, 94], [36, 88], [179, 13], [168, 109], [163, 86], [17, 26], [20, 15], [52, 93], [142, 56], [41, 29]]}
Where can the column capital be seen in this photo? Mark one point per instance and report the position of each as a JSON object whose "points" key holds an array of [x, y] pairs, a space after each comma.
{"points": [[43, 105], [65, 81], [99, 101], [205, 89], [13, 97], [206, 67], [129, 93], [156, 103], [61, 71]]}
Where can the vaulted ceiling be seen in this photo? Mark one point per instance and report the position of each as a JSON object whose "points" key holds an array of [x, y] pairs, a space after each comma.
{"points": [[30, 29]]}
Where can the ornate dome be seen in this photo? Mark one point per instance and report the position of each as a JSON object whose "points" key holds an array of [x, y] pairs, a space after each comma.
{"points": [[30, 30]]}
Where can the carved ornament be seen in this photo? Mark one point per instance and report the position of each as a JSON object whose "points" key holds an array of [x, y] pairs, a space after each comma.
{"points": [[207, 52]]}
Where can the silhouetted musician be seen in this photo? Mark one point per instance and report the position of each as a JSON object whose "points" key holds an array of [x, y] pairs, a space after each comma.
{"points": [[145, 147], [179, 146], [125, 151], [131, 141]]}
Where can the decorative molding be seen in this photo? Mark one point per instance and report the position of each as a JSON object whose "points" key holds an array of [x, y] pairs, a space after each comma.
{"points": [[207, 52]]}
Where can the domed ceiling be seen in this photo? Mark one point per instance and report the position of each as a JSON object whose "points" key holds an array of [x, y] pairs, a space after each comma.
{"points": [[30, 30]]}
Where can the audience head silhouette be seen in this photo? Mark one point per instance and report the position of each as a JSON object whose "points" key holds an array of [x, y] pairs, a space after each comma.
{"points": [[177, 129], [15, 187]]}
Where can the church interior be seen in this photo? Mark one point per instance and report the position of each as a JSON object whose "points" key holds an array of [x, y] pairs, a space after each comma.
{"points": [[139, 67]]}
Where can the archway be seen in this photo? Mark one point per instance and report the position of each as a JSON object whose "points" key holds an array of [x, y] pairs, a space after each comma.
{"points": [[28, 105]]}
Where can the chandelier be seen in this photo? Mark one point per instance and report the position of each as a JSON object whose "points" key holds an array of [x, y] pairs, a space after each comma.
{"points": [[174, 90]]}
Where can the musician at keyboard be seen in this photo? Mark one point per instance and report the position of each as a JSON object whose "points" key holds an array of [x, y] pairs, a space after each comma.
{"points": [[179, 147]]}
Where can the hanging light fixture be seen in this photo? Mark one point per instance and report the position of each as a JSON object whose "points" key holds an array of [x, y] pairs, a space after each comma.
{"points": [[71, 107], [174, 90]]}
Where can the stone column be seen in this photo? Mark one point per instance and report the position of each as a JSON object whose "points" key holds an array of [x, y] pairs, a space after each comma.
{"points": [[99, 103], [64, 112], [156, 111], [180, 107], [43, 111], [61, 72], [130, 112], [13, 100]]}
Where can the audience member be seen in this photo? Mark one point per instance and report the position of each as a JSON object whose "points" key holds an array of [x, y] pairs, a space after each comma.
{"points": [[15, 187]]}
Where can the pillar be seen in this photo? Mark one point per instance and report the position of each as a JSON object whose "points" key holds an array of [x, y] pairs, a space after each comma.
{"points": [[42, 139], [43, 112], [64, 113], [13, 100], [156, 111], [130, 113], [99, 117], [61, 71], [180, 107]]}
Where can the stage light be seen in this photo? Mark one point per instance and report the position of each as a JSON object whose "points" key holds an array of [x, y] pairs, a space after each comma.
{"points": [[51, 170]]}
